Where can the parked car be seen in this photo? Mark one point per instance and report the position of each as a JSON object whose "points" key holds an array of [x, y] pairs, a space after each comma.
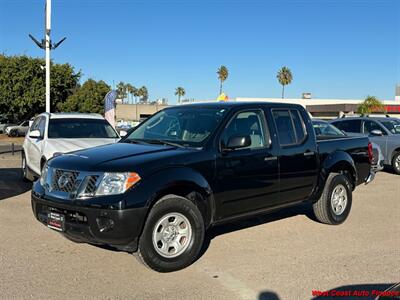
{"points": [[325, 130], [4, 123], [189, 167], [384, 131], [17, 130], [58, 133]]}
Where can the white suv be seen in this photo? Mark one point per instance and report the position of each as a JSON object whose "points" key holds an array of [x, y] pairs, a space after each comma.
{"points": [[57, 133]]}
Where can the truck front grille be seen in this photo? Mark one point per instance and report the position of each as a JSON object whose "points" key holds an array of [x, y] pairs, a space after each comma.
{"points": [[64, 181]]}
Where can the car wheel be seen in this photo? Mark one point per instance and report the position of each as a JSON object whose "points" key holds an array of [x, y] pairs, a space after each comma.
{"points": [[396, 163], [24, 168], [172, 236], [333, 207], [13, 133]]}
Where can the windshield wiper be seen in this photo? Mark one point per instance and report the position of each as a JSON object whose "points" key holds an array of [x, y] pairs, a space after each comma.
{"points": [[162, 142]]}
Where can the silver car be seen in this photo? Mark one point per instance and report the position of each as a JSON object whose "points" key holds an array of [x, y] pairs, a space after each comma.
{"points": [[18, 130], [384, 131]]}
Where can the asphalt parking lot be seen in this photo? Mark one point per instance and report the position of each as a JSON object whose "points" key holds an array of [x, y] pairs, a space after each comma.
{"points": [[285, 255]]}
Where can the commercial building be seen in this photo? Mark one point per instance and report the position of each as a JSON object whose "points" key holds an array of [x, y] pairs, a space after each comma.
{"points": [[318, 108]]}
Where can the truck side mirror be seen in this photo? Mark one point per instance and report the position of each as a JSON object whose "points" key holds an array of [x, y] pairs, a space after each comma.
{"points": [[237, 142], [376, 132]]}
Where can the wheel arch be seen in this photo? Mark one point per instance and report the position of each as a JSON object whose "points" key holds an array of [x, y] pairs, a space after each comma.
{"points": [[337, 162], [184, 182]]}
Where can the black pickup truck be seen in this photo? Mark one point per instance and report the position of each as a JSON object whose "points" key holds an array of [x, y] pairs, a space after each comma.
{"points": [[189, 167]]}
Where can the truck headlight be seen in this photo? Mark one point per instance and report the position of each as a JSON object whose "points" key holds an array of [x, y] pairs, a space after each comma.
{"points": [[116, 183], [43, 175]]}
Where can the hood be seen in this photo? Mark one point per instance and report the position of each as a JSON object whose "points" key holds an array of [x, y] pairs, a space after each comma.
{"points": [[68, 145], [119, 157]]}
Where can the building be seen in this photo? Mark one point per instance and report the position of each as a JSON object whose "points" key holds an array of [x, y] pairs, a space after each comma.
{"points": [[318, 108], [137, 112], [331, 108], [397, 97]]}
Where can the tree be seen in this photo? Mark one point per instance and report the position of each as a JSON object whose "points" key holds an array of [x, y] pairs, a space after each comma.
{"points": [[180, 92], [89, 98], [371, 104], [143, 94], [222, 76], [22, 86], [122, 90], [284, 77], [130, 89]]}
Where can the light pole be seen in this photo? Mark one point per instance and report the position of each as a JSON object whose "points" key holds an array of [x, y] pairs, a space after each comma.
{"points": [[47, 46]]}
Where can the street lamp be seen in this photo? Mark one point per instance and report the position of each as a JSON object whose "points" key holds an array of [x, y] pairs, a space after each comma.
{"points": [[47, 46]]}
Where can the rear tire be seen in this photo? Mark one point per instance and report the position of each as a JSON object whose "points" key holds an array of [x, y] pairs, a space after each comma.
{"points": [[396, 163], [335, 203], [172, 236]]}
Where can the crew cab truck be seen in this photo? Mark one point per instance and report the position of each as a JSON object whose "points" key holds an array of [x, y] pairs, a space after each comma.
{"points": [[189, 167]]}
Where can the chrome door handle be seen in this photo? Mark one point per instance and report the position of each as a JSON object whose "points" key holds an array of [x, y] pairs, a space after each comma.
{"points": [[309, 153], [270, 158]]}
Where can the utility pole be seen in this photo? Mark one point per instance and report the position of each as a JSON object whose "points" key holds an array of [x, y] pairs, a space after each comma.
{"points": [[47, 46]]}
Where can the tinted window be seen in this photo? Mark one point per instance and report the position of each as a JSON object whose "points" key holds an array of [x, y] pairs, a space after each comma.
{"points": [[284, 125], [187, 126], [42, 125], [35, 124], [326, 129], [349, 125], [299, 126], [392, 125], [372, 125], [249, 123], [80, 128]]}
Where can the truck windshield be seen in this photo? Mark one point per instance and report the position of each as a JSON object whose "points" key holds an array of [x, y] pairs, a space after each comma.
{"points": [[184, 126], [80, 128], [392, 125]]}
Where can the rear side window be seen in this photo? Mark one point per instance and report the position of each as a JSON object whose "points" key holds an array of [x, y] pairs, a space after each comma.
{"points": [[349, 125], [290, 126]]}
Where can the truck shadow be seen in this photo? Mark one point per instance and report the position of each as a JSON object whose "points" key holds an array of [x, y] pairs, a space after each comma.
{"points": [[11, 183], [244, 223]]}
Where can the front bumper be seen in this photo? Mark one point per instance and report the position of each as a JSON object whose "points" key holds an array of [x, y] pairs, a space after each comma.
{"points": [[118, 228]]}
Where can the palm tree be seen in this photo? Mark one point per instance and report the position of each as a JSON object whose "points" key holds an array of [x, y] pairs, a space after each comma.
{"points": [[136, 94], [121, 90], [222, 76], [130, 89], [370, 104], [180, 92], [284, 77], [143, 94]]}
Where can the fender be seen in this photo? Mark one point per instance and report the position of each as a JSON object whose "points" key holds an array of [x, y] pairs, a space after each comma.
{"points": [[180, 180], [337, 162]]}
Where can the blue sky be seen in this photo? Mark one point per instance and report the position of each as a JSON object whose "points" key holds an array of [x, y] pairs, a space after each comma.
{"points": [[336, 49]]}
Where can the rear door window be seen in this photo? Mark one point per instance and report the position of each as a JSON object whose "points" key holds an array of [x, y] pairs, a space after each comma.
{"points": [[349, 125], [290, 126]]}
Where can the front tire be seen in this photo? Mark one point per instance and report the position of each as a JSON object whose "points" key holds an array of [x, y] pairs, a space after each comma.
{"points": [[13, 133], [335, 203], [24, 169], [396, 163], [173, 235]]}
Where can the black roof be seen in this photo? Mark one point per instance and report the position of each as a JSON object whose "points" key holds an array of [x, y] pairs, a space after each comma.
{"points": [[244, 104]]}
